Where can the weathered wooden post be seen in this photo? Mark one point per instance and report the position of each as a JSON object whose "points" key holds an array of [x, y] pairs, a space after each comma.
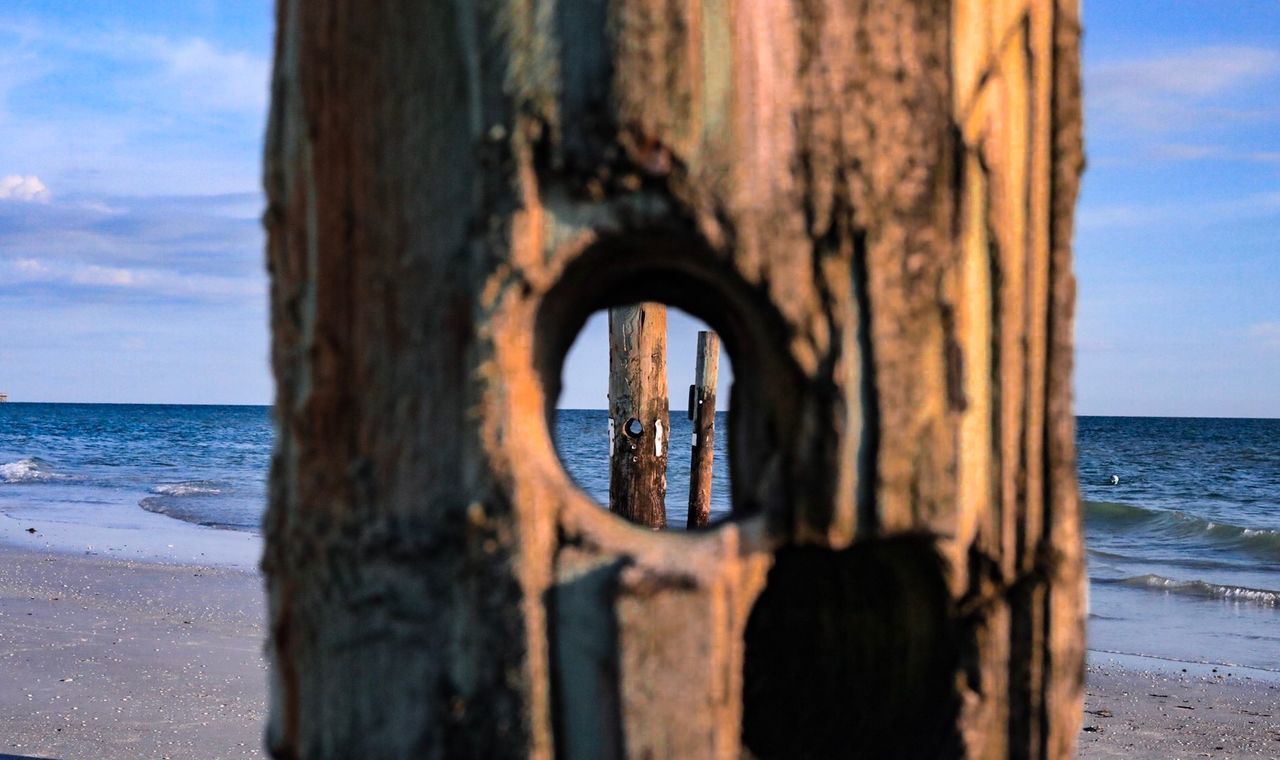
{"points": [[869, 202], [702, 411], [639, 421]]}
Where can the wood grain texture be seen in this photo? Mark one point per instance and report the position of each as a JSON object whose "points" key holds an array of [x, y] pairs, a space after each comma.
{"points": [[870, 203], [702, 411], [638, 399]]}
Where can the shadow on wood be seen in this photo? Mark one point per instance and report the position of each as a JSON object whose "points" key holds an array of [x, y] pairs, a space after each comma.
{"points": [[870, 202], [849, 653]]}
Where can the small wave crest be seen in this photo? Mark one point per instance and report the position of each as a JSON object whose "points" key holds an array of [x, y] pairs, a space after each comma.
{"points": [[177, 509], [189, 501], [189, 488], [211, 503], [1180, 525], [1202, 589], [30, 470], [1115, 513]]}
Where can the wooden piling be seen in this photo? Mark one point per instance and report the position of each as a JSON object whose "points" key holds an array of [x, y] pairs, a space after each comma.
{"points": [[872, 200], [640, 426], [702, 411]]}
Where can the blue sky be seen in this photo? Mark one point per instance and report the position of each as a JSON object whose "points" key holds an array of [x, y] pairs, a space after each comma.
{"points": [[1178, 233], [131, 264]]}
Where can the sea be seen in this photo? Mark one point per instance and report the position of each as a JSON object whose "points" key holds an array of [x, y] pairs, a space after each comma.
{"points": [[1182, 515]]}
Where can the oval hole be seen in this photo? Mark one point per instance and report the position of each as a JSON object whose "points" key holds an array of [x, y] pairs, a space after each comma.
{"points": [[623, 425], [763, 428]]}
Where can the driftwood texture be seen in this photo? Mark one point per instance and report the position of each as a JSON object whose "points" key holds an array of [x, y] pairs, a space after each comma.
{"points": [[639, 420], [702, 411], [871, 204]]}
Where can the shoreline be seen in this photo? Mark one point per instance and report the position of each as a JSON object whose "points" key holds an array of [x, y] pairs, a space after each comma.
{"points": [[115, 657], [127, 532], [1152, 663]]}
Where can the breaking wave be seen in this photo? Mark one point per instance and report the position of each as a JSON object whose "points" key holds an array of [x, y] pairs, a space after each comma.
{"points": [[211, 503], [1202, 589], [30, 470], [178, 509], [1180, 526], [189, 488]]}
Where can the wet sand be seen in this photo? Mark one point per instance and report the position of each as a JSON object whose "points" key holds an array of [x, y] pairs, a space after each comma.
{"points": [[104, 658], [1146, 709], [109, 658]]}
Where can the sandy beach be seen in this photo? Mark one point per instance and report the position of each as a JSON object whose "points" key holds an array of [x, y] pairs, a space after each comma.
{"points": [[1146, 709], [109, 658], [106, 658]]}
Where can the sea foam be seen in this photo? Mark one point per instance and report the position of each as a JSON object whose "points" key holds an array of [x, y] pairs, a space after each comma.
{"points": [[188, 488], [1204, 589], [31, 470]]}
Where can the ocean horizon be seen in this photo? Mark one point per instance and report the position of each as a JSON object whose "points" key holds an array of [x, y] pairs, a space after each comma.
{"points": [[588, 409], [1186, 544]]}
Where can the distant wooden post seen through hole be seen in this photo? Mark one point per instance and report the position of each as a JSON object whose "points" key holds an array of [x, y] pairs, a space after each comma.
{"points": [[702, 411], [639, 422]]}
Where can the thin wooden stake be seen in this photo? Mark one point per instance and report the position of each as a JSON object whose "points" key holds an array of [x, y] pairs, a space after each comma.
{"points": [[702, 410], [641, 426]]}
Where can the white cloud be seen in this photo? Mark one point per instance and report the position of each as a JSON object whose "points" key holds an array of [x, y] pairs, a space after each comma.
{"points": [[213, 78], [18, 188], [1266, 334], [31, 267], [1117, 215], [205, 73], [1186, 152], [1185, 213], [165, 109], [158, 282], [1204, 71], [19, 67], [110, 276], [1193, 152], [206, 235], [1175, 92]]}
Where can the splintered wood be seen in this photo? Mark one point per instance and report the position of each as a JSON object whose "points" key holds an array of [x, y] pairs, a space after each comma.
{"points": [[639, 423], [871, 203], [702, 412]]}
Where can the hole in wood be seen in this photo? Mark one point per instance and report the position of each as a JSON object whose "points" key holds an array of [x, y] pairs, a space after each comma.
{"points": [[754, 439], [616, 432], [634, 427]]}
